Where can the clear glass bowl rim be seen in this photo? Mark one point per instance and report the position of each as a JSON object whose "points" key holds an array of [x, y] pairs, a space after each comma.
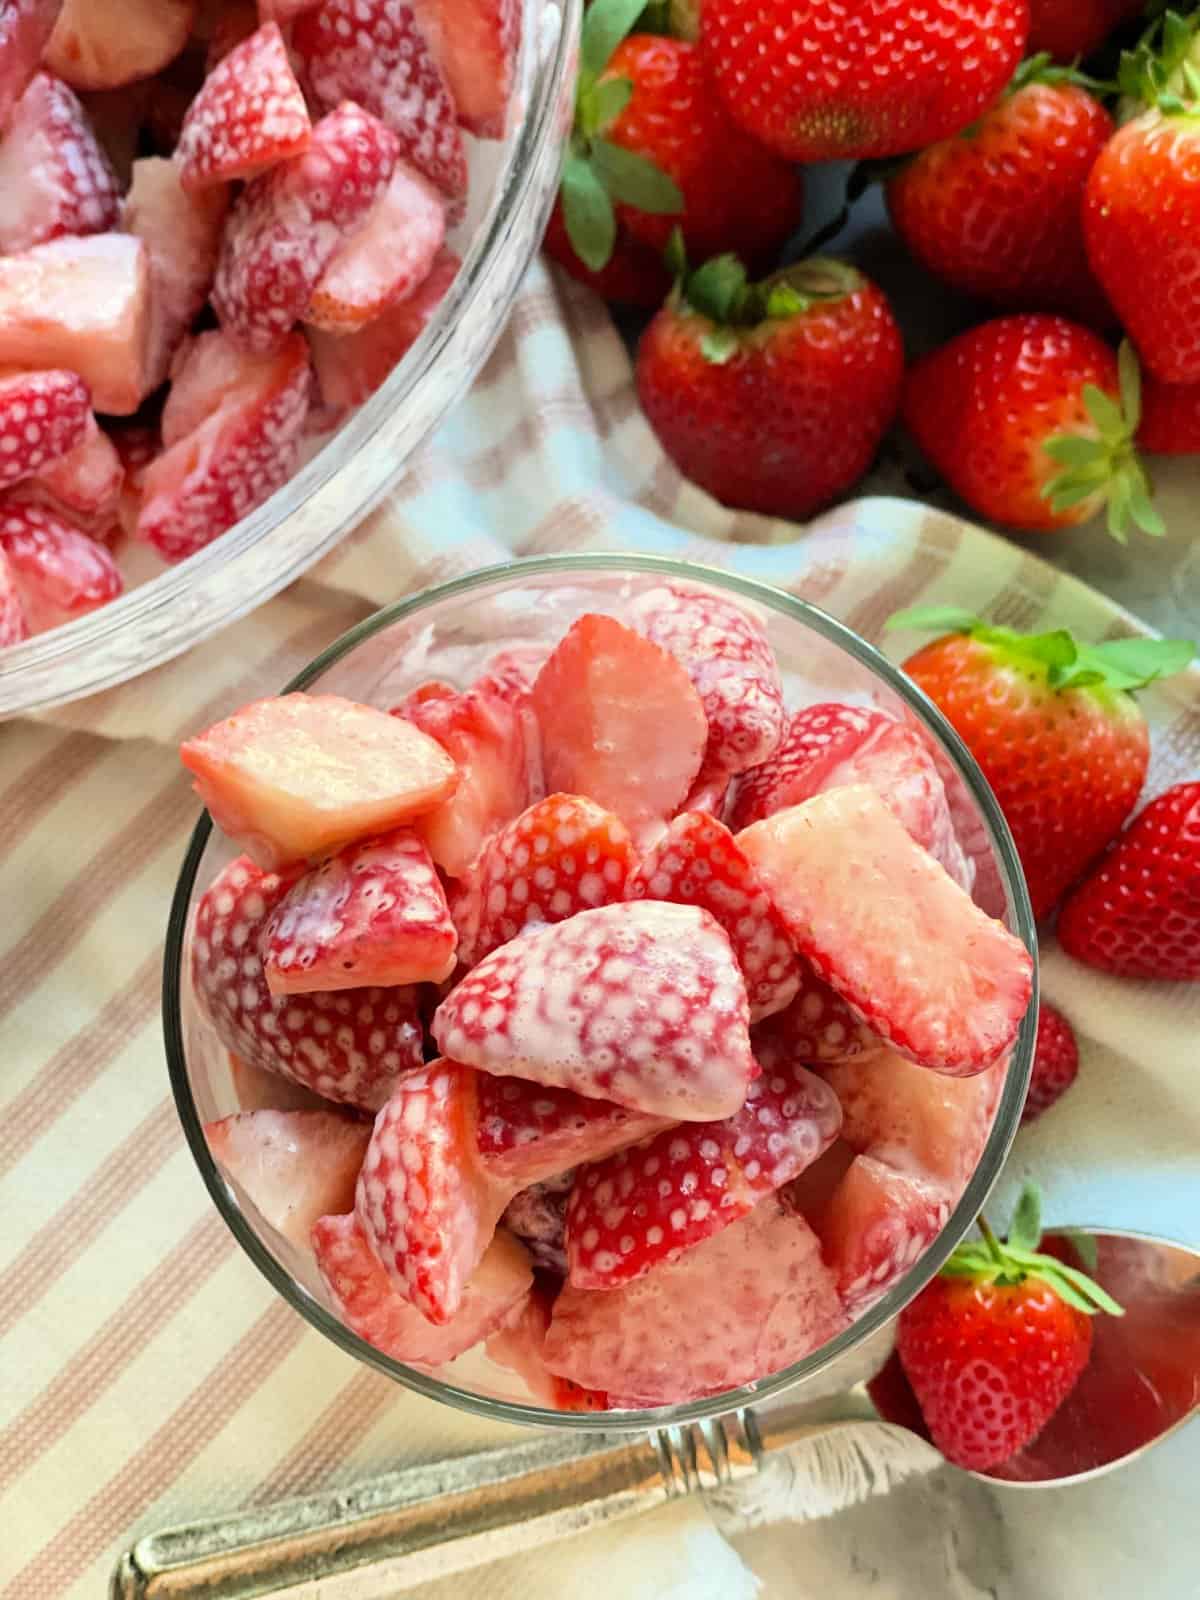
{"points": [[974, 1197]]}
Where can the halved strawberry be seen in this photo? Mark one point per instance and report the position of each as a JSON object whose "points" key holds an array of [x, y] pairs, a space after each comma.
{"points": [[620, 722], [373, 914], [476, 42], [528, 1133], [890, 930], [249, 115], [564, 854], [295, 1166], [14, 625], [373, 52], [425, 1203], [385, 259], [815, 739], [490, 742], [54, 177], [520, 1346], [60, 572], [182, 234], [818, 1025], [42, 416], [347, 1047], [640, 1003], [103, 44], [286, 225], [697, 862], [25, 28], [729, 658], [81, 304], [300, 775], [754, 1298], [538, 1217], [229, 445], [350, 367], [649, 1205], [83, 486], [877, 1224]]}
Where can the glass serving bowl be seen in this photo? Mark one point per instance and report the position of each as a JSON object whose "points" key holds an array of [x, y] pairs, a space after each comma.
{"points": [[513, 182], [448, 632]]}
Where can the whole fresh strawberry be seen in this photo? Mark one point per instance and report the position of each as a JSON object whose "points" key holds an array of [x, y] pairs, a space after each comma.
{"points": [[821, 80], [1068, 29], [1137, 914], [1170, 424], [1054, 727], [1055, 1062], [1141, 207], [995, 1344], [1031, 420], [633, 275], [772, 396], [994, 211]]}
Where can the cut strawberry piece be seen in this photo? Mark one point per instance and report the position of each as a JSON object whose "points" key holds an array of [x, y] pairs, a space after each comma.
{"points": [[648, 1205], [303, 774], [817, 1026], [182, 234], [476, 43], [810, 1193], [350, 367], [373, 914], [426, 1205], [521, 1348], [14, 625], [368, 1302], [54, 177], [729, 658], [229, 448], [61, 572], [137, 446], [385, 260], [816, 738], [373, 52], [743, 1304], [709, 794], [295, 1166], [697, 862], [42, 416], [256, 1090], [562, 855], [249, 115], [25, 29], [878, 1223], [103, 44], [491, 743], [538, 1217], [512, 673], [620, 722], [641, 1003], [528, 1133], [286, 226], [347, 1047], [81, 304], [888, 928], [83, 486]]}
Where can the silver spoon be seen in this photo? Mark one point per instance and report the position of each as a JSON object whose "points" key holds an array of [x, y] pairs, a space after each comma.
{"points": [[411, 1527]]}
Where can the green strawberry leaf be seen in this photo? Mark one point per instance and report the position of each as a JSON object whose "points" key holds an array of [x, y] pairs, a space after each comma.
{"points": [[1133, 663], [1075, 450], [1025, 1229], [588, 214], [1056, 649], [600, 105], [1085, 1247], [604, 26], [1129, 379], [718, 288], [1105, 412], [635, 181], [718, 345], [784, 301], [933, 619], [675, 255]]}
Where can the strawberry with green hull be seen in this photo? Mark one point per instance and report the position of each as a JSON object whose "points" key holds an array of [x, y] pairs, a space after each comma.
{"points": [[995, 1344], [1053, 726], [772, 396], [1055, 1062]]}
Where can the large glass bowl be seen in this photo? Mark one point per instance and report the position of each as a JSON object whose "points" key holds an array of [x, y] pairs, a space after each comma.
{"points": [[513, 182], [448, 632]]}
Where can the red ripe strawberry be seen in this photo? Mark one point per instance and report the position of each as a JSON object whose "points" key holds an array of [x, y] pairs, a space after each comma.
{"points": [[60, 572], [296, 1166], [42, 416], [697, 862], [773, 396], [373, 914], [633, 275], [647, 1206], [229, 451], [14, 625], [878, 1222], [528, 1134], [349, 1047], [249, 115], [818, 1025], [476, 44], [256, 1090], [1031, 419], [104, 44], [995, 211], [562, 855], [824, 82], [286, 226], [995, 1344], [641, 1004], [851, 885], [1055, 1062], [54, 177], [816, 740], [369, 1303], [1170, 418], [83, 486], [732, 665], [1137, 914], [25, 28], [373, 52], [1053, 726], [1068, 29]]}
